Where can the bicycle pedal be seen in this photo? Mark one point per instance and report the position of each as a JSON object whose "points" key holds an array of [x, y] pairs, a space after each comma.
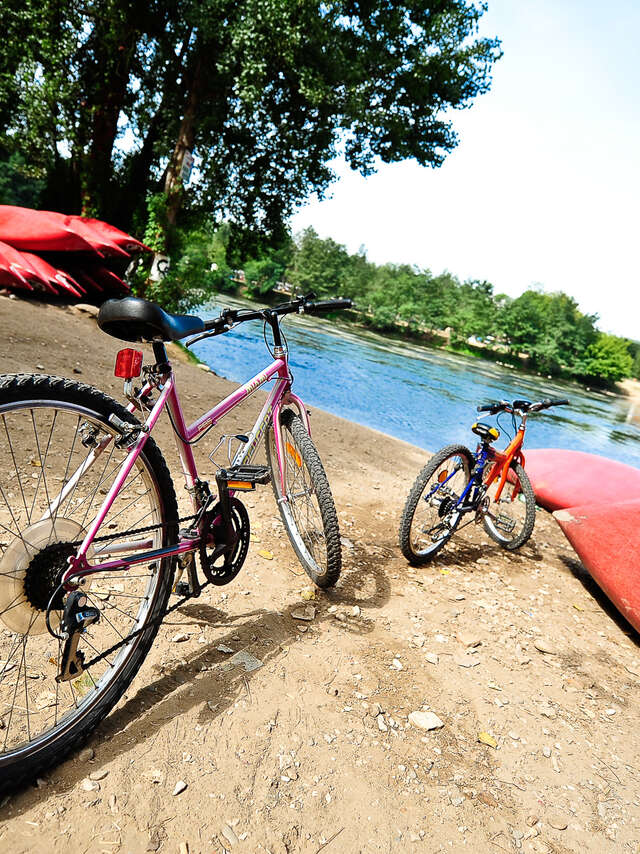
{"points": [[189, 533], [182, 588], [245, 477]]}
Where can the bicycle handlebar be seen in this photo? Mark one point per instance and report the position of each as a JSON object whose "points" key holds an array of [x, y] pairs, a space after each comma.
{"points": [[302, 304], [522, 405], [326, 305]]}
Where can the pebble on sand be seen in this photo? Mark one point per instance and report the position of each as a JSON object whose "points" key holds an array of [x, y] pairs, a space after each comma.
{"points": [[425, 720]]}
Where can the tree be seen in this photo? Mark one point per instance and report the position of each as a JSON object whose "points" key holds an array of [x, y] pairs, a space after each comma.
{"points": [[608, 358], [265, 92], [550, 329], [318, 266]]}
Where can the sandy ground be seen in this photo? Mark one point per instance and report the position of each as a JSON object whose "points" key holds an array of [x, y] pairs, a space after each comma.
{"points": [[313, 751]]}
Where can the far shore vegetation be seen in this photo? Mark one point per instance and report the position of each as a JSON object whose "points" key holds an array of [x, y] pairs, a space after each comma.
{"points": [[542, 332]]}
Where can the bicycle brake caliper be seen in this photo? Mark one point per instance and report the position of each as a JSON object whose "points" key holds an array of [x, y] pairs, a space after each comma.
{"points": [[76, 618]]}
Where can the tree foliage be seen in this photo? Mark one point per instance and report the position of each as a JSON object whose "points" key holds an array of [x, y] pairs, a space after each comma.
{"points": [[547, 330], [105, 97]]}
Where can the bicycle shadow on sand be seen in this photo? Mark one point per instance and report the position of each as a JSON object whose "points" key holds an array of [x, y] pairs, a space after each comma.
{"points": [[468, 555], [214, 683]]}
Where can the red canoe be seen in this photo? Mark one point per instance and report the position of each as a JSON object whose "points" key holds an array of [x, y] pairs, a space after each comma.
{"points": [[39, 231], [570, 478], [111, 233], [606, 538], [58, 280], [15, 272]]}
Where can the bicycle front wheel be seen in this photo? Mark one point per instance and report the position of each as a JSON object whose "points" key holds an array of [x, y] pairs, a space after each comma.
{"points": [[58, 459], [510, 520], [306, 507], [431, 515]]}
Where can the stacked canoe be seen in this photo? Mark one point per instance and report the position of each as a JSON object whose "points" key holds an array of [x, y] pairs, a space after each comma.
{"points": [[62, 255], [596, 502]]}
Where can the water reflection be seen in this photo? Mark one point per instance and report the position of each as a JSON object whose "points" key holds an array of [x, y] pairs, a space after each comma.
{"points": [[423, 396]]}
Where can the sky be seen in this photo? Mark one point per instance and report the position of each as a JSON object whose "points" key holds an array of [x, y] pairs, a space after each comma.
{"points": [[544, 186]]}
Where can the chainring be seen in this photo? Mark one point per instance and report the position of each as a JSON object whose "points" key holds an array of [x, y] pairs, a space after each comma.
{"points": [[222, 569]]}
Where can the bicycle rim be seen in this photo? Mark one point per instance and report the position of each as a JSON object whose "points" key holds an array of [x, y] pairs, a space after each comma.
{"points": [[507, 520], [42, 512], [301, 511]]}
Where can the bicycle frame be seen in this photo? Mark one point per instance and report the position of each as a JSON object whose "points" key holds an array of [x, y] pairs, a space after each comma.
{"points": [[280, 395], [501, 464], [502, 461]]}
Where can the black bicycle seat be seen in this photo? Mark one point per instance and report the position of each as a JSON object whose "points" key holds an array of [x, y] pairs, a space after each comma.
{"points": [[135, 319]]}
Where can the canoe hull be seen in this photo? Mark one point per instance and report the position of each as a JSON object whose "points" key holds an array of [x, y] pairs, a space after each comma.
{"points": [[606, 538]]}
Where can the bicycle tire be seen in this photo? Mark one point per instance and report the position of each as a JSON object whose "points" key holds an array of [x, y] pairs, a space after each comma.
{"points": [[321, 563], [408, 541], [525, 524], [41, 396]]}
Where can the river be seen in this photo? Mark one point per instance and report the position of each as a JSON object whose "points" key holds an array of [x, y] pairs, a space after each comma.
{"points": [[425, 396]]}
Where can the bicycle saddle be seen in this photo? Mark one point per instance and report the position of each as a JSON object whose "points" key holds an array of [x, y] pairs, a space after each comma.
{"points": [[134, 319], [486, 432]]}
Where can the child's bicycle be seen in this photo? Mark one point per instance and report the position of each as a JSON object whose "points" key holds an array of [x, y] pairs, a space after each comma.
{"points": [[492, 485], [90, 532]]}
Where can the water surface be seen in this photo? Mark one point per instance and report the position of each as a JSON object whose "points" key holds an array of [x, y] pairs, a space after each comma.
{"points": [[424, 396]]}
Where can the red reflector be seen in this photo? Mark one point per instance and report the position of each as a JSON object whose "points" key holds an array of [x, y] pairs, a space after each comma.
{"points": [[128, 364]]}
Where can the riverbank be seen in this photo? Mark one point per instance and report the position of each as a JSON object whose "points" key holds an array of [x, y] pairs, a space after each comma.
{"points": [[313, 751]]}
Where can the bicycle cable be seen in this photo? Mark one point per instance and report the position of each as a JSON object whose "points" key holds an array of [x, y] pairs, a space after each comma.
{"points": [[184, 438], [268, 346], [504, 429]]}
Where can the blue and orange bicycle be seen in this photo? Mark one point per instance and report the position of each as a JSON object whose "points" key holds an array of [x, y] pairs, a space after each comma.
{"points": [[490, 484]]}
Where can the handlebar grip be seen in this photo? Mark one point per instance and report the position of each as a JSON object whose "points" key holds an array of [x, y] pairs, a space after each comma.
{"points": [[327, 305], [217, 324], [493, 408], [559, 402]]}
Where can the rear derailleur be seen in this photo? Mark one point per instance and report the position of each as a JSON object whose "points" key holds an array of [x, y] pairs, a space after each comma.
{"points": [[76, 618]]}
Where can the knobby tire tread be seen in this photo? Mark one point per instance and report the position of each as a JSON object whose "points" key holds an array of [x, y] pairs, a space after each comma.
{"points": [[15, 388], [414, 496], [325, 501]]}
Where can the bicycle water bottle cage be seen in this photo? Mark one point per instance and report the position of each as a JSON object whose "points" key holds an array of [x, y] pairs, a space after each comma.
{"points": [[485, 431]]}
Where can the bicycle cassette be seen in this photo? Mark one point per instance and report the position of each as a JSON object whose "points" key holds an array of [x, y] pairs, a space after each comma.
{"points": [[222, 558]]}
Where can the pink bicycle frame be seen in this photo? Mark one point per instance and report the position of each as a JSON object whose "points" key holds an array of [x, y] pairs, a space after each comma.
{"points": [[279, 396]]}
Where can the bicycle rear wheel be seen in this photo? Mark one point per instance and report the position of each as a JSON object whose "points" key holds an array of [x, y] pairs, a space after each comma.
{"points": [[50, 430], [510, 520], [308, 511], [430, 515]]}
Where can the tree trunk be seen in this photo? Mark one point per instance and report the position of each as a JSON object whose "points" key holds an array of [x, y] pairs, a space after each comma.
{"points": [[108, 96], [184, 143]]}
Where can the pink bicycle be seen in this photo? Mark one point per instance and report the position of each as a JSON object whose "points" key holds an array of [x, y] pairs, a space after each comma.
{"points": [[90, 533]]}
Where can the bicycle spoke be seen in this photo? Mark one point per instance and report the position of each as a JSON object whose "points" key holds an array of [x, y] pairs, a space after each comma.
{"points": [[15, 465], [50, 491]]}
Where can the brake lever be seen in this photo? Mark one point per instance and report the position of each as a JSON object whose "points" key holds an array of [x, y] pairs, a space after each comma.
{"points": [[208, 334]]}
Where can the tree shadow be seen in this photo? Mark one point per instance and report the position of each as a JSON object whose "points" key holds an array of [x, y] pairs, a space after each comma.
{"points": [[214, 677]]}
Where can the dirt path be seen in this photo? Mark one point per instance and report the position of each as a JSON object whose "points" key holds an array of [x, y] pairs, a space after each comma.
{"points": [[313, 751]]}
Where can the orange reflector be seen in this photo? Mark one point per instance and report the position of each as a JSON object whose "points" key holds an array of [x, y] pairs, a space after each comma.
{"points": [[128, 364], [443, 476], [293, 453], [239, 484]]}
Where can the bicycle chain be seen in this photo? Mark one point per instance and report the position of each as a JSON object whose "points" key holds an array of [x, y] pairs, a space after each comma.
{"points": [[137, 530]]}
